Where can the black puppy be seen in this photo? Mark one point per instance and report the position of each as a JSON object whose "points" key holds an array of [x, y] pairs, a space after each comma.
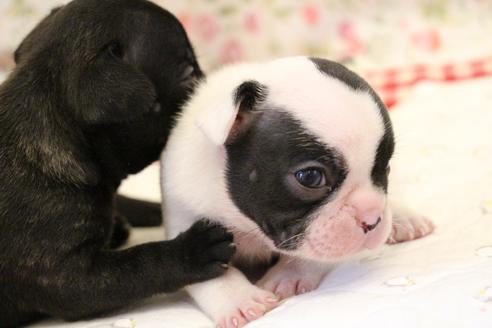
{"points": [[91, 100]]}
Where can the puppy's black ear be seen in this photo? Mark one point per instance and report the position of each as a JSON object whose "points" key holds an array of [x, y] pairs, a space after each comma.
{"points": [[233, 112], [33, 38], [109, 89], [247, 97]]}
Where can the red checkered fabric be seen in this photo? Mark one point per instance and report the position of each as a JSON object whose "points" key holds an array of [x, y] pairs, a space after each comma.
{"points": [[392, 84]]}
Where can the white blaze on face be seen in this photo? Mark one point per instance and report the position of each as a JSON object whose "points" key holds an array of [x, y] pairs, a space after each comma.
{"points": [[349, 121]]}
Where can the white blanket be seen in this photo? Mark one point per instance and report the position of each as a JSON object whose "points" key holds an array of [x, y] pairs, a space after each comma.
{"points": [[443, 168]]}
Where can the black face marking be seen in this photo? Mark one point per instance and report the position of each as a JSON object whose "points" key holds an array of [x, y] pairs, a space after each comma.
{"points": [[260, 164], [386, 144], [380, 170]]}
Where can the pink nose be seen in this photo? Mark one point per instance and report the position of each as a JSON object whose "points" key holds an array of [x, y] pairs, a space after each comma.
{"points": [[368, 206], [368, 221]]}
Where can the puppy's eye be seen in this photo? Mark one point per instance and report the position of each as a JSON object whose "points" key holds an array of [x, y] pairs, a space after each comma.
{"points": [[188, 73], [310, 181], [115, 49], [312, 178]]}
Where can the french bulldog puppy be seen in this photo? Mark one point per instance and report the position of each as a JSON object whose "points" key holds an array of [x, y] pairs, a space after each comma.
{"points": [[91, 100], [293, 157]]}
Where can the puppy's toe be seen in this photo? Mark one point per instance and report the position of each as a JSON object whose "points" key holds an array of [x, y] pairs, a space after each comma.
{"points": [[409, 226], [246, 307]]}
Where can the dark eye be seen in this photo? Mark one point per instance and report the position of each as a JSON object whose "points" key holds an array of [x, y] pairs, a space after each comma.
{"points": [[115, 49], [188, 73], [311, 178]]}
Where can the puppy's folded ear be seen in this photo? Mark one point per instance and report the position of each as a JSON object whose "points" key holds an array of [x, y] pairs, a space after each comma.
{"points": [[110, 89], [227, 121]]}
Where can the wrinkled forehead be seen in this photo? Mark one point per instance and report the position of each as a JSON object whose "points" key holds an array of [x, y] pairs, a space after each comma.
{"points": [[341, 116]]}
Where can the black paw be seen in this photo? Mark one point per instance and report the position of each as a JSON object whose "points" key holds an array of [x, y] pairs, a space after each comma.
{"points": [[207, 250], [121, 231]]}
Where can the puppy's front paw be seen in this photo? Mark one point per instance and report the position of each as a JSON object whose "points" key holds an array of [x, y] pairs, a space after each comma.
{"points": [[207, 248], [409, 225], [246, 306]]}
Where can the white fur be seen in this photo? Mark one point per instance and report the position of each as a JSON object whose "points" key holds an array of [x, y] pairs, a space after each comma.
{"points": [[194, 181]]}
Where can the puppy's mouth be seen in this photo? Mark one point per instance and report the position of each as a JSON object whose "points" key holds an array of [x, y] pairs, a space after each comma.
{"points": [[331, 238]]}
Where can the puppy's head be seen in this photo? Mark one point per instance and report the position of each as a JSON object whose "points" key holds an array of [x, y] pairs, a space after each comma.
{"points": [[308, 146], [118, 69]]}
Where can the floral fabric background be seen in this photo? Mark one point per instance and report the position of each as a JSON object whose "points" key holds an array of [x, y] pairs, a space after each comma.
{"points": [[367, 34]]}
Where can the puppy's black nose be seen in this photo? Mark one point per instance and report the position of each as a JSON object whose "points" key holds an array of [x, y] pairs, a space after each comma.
{"points": [[369, 227]]}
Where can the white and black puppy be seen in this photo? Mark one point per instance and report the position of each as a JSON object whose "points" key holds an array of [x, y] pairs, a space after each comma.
{"points": [[293, 156]]}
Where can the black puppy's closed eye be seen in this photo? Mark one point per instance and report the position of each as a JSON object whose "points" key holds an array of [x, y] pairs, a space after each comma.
{"points": [[115, 49], [188, 73]]}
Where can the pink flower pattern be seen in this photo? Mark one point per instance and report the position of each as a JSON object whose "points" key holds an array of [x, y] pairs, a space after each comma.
{"points": [[206, 27], [368, 34], [231, 52], [311, 14], [427, 40], [251, 22]]}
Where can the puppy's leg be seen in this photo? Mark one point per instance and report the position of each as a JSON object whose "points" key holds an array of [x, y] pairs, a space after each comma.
{"points": [[139, 213], [408, 224], [231, 300], [293, 276], [88, 284]]}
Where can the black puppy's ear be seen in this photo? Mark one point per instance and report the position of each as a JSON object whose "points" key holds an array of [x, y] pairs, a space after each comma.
{"points": [[32, 39], [247, 97]]}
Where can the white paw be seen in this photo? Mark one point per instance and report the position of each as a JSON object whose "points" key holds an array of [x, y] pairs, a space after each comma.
{"points": [[408, 225], [289, 278], [249, 305], [285, 287]]}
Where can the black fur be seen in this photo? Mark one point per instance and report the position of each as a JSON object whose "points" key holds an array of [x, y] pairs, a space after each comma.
{"points": [[387, 143], [249, 94], [260, 162], [91, 100]]}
